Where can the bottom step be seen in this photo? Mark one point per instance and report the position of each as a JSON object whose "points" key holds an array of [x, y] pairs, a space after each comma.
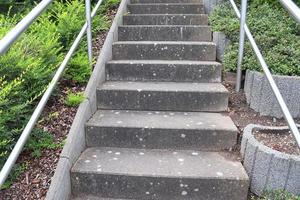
{"points": [[88, 197], [158, 174]]}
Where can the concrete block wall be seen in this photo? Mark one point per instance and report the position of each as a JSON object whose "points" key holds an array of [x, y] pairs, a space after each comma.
{"points": [[260, 96], [269, 169]]}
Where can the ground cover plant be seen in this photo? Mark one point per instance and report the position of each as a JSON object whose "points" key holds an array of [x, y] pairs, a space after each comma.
{"points": [[276, 33], [29, 65]]}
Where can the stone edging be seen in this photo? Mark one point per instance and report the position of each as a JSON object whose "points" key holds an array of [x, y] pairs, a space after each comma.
{"points": [[60, 187], [269, 169], [260, 97]]}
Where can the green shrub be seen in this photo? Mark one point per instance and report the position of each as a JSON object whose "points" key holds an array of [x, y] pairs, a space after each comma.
{"points": [[74, 99], [278, 195], [29, 65], [275, 32], [40, 140]]}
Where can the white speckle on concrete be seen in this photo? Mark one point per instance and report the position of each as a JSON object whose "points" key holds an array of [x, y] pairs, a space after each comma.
{"points": [[220, 174], [184, 193]]}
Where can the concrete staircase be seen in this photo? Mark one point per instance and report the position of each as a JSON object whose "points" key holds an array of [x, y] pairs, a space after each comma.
{"points": [[160, 131]]}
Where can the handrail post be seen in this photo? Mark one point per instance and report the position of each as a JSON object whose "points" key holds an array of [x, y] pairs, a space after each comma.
{"points": [[241, 45], [89, 29]]}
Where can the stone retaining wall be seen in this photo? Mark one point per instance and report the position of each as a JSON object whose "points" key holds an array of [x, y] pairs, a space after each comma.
{"points": [[269, 169], [260, 97]]}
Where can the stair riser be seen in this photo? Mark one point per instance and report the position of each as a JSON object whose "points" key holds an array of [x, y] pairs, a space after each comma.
{"points": [[164, 72], [165, 20], [166, 9], [160, 100], [137, 33], [152, 138], [140, 187], [152, 51], [167, 1]]}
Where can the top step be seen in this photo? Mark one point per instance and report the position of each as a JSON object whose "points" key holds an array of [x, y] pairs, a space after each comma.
{"points": [[166, 1], [160, 8]]}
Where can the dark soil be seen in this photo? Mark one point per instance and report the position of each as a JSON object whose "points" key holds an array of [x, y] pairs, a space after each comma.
{"points": [[283, 141], [242, 115], [57, 118]]}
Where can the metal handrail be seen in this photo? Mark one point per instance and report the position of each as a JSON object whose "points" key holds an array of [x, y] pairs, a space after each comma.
{"points": [[15, 33], [5, 43], [292, 8], [244, 29]]}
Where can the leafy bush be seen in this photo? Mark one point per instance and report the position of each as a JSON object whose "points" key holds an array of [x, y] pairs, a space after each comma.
{"points": [[74, 99], [274, 30], [279, 195], [29, 65]]}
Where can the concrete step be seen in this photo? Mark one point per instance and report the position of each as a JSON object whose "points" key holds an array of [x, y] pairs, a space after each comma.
{"points": [[164, 33], [164, 50], [158, 174], [166, 1], [161, 8], [91, 197], [160, 130], [174, 19], [163, 70], [162, 96]]}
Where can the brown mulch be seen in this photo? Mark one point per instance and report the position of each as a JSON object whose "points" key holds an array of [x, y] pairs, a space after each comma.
{"points": [[57, 119], [283, 141], [242, 114]]}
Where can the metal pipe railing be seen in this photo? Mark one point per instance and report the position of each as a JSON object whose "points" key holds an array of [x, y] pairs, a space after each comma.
{"points": [[287, 115], [292, 8], [241, 45], [15, 33], [89, 29], [37, 112]]}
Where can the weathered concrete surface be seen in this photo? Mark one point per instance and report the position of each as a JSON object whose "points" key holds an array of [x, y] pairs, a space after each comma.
{"points": [[261, 98], [173, 8], [158, 174], [162, 96], [164, 33], [176, 130], [160, 70], [164, 50], [166, 1], [171, 19], [269, 169], [209, 5], [222, 43]]}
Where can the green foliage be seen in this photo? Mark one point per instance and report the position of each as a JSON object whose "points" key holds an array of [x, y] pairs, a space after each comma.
{"points": [[274, 30], [278, 195], [16, 171], [40, 140], [74, 99], [29, 65]]}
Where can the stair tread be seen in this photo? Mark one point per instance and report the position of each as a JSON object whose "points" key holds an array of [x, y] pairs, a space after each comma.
{"points": [[162, 120], [179, 4], [159, 163], [164, 86], [165, 26], [171, 62], [91, 197], [167, 42]]}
